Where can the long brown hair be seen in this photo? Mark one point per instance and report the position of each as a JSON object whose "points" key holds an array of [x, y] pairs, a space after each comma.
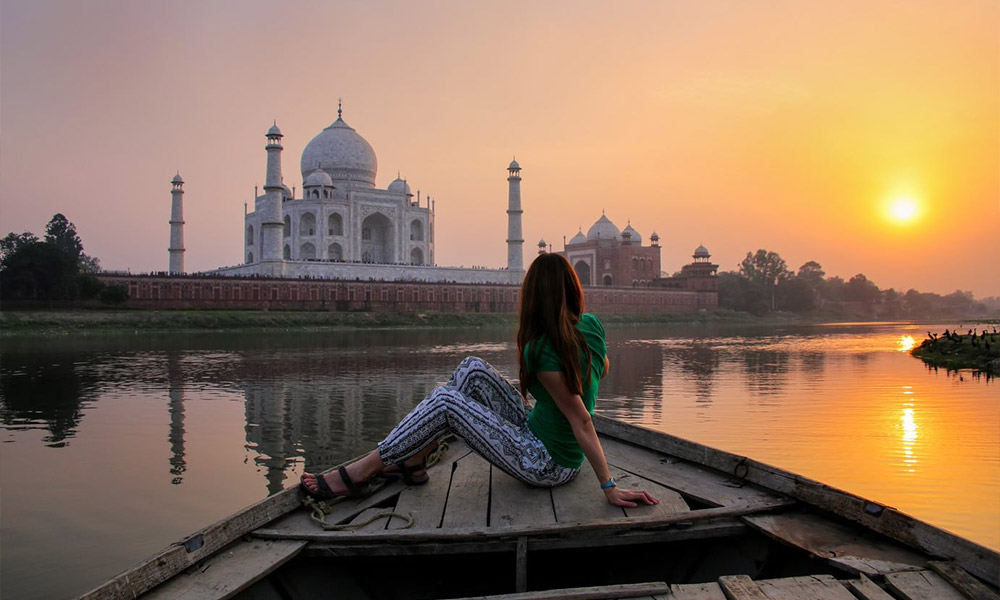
{"points": [[551, 305]]}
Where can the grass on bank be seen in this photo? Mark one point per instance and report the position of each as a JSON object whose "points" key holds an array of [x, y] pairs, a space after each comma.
{"points": [[78, 321], [961, 352]]}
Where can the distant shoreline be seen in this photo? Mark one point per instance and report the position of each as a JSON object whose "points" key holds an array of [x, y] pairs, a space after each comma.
{"points": [[111, 322], [97, 322]]}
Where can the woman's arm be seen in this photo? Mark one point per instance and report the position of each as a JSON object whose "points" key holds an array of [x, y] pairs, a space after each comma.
{"points": [[579, 419]]}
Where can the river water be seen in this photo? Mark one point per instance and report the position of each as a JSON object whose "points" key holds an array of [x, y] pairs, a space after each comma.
{"points": [[114, 447]]}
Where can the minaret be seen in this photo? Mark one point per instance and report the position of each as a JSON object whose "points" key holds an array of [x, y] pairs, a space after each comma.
{"points": [[269, 209], [177, 225], [515, 239]]}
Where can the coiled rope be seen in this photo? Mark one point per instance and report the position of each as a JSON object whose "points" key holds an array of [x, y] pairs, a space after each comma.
{"points": [[319, 509]]}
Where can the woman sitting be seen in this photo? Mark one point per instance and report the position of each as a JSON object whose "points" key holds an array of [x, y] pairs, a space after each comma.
{"points": [[562, 357]]}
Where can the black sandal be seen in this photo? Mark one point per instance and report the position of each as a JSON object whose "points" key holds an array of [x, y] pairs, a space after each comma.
{"points": [[323, 491]]}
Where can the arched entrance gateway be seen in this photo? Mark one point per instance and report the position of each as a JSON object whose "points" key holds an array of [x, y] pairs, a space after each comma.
{"points": [[582, 271], [376, 239]]}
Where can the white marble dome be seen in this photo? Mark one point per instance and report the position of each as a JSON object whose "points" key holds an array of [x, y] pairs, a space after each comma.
{"points": [[318, 178], [400, 186], [579, 238], [701, 252], [603, 229], [635, 236], [343, 154]]}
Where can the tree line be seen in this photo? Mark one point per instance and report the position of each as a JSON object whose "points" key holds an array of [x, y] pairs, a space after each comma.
{"points": [[763, 283], [52, 268]]}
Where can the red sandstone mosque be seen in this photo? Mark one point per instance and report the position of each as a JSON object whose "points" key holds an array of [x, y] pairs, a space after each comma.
{"points": [[612, 258]]}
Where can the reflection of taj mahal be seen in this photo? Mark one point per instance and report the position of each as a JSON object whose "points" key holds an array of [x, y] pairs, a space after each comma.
{"points": [[342, 226]]}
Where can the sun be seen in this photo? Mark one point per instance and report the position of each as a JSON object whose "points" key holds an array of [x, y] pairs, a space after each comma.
{"points": [[903, 210]]}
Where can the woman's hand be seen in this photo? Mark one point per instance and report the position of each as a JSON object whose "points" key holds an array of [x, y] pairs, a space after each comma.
{"points": [[629, 498]]}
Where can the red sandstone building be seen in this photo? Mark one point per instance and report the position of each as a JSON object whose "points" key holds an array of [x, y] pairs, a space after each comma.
{"points": [[607, 257]]}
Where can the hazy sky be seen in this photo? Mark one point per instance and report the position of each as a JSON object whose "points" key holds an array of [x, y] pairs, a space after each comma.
{"points": [[789, 126]]}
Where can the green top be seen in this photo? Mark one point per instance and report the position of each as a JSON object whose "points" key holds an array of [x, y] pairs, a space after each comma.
{"points": [[546, 421]]}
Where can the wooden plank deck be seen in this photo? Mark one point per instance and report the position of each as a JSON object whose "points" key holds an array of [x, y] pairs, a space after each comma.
{"points": [[467, 497]]}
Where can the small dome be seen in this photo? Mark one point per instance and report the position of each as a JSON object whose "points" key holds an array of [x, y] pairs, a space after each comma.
{"points": [[655, 237], [318, 178], [286, 191], [579, 238], [603, 229], [274, 131], [701, 252], [541, 243], [177, 179], [514, 166], [634, 235], [400, 186]]}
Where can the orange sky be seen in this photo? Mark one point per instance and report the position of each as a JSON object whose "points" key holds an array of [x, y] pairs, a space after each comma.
{"points": [[779, 125]]}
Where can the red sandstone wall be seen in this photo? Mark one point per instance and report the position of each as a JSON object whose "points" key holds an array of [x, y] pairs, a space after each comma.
{"points": [[197, 292]]}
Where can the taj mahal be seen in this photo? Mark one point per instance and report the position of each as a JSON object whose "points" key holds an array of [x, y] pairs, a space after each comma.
{"points": [[342, 226]]}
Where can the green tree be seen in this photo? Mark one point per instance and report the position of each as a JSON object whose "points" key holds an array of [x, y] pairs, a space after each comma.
{"points": [[833, 288], [812, 273], [39, 271], [766, 268], [53, 269], [61, 233], [15, 241], [796, 295], [860, 289], [736, 292]]}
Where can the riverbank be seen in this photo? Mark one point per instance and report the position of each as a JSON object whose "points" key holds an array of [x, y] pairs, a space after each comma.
{"points": [[961, 352], [95, 322]]}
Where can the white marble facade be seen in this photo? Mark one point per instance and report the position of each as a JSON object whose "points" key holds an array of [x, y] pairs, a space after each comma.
{"points": [[340, 216]]}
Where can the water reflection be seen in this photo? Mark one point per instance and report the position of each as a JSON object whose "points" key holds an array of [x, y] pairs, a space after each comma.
{"points": [[837, 404], [44, 391], [905, 343], [175, 393], [766, 371], [699, 361]]}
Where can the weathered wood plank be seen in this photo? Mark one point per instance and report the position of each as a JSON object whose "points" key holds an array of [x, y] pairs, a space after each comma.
{"points": [[978, 560], [227, 573], [921, 585], [865, 589], [962, 581], [513, 502], [670, 501], [625, 590], [469, 497], [740, 587], [846, 545], [299, 522], [582, 500], [811, 587], [633, 536], [693, 591], [425, 503], [488, 533], [705, 485]]}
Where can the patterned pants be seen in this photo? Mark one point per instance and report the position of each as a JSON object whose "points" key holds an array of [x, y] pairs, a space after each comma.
{"points": [[484, 409]]}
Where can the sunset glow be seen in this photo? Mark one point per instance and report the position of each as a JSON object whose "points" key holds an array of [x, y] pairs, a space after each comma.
{"points": [[903, 210], [788, 127]]}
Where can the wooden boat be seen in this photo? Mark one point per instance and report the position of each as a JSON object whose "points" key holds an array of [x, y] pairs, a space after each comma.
{"points": [[727, 527]]}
